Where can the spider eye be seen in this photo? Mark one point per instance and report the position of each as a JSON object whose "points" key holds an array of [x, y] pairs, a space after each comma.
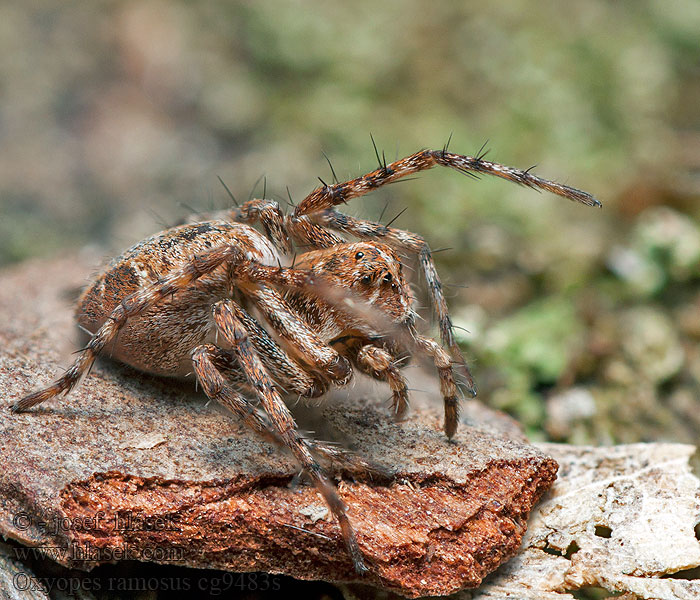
{"points": [[387, 277], [359, 255], [394, 287], [366, 278]]}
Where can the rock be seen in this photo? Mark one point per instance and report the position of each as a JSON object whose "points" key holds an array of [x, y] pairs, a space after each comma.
{"points": [[619, 518], [130, 466]]}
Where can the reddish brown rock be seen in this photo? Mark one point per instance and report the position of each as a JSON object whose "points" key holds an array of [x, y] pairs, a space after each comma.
{"points": [[130, 466]]}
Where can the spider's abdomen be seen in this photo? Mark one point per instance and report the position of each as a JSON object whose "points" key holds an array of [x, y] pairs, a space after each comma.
{"points": [[160, 340]]}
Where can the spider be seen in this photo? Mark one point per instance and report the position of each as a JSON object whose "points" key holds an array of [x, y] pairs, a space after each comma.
{"points": [[193, 297]]}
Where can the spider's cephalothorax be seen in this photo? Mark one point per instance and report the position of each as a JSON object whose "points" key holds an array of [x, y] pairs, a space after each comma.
{"points": [[165, 302], [371, 271]]}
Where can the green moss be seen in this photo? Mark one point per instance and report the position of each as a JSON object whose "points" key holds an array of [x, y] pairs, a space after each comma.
{"points": [[538, 340]]}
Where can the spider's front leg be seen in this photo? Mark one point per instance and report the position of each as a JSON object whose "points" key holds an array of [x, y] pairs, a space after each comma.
{"points": [[329, 196], [283, 422], [448, 386], [285, 370]]}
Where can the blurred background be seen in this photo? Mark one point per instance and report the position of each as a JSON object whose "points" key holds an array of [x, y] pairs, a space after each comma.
{"points": [[117, 117]]}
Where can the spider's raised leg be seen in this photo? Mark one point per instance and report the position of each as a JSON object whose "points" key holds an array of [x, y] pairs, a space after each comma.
{"points": [[283, 422], [329, 196]]}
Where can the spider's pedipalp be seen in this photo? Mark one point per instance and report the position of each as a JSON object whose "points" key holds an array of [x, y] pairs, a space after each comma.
{"points": [[379, 364], [308, 347]]}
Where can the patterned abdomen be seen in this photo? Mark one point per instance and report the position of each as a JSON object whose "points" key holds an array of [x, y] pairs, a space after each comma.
{"points": [[160, 340]]}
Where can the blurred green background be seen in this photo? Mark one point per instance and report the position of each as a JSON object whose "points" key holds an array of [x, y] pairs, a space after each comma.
{"points": [[117, 117]]}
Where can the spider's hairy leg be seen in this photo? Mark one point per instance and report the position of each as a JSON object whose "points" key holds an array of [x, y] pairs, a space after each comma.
{"points": [[444, 319], [214, 367], [132, 305], [269, 214], [328, 196], [415, 244], [284, 424], [470, 165], [378, 363], [308, 347], [280, 365], [207, 363], [448, 387]]}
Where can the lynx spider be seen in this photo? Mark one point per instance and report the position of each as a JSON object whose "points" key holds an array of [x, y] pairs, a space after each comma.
{"points": [[163, 303]]}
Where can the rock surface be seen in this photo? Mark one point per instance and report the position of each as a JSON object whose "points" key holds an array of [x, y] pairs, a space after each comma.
{"points": [[619, 519], [134, 467]]}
